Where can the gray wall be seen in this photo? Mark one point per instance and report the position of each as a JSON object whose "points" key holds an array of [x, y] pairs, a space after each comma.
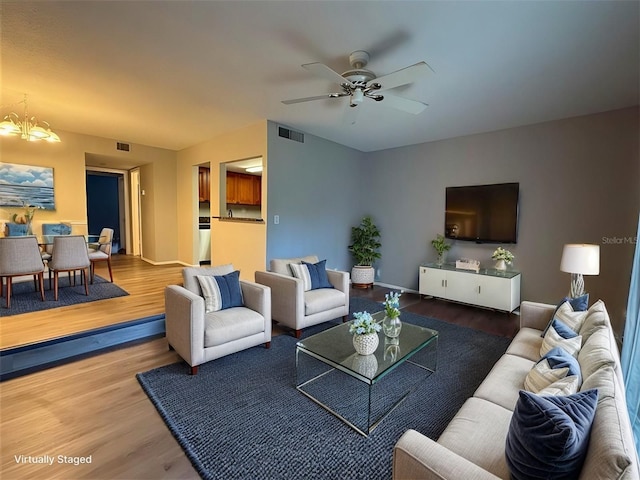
{"points": [[579, 183], [310, 186]]}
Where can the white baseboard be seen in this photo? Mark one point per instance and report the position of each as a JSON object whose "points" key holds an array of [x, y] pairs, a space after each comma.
{"points": [[168, 262]]}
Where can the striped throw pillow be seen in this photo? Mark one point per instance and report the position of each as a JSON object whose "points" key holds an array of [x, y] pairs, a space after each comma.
{"points": [[221, 291]]}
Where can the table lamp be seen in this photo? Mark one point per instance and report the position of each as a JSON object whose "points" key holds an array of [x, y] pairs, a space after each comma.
{"points": [[578, 260]]}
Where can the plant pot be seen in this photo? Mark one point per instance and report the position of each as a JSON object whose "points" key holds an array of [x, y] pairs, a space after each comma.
{"points": [[362, 276], [366, 344]]}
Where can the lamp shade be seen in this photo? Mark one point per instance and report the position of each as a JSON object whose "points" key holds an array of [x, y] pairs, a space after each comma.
{"points": [[581, 258]]}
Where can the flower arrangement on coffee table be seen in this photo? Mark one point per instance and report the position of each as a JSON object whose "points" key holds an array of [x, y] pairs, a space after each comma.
{"points": [[365, 333]]}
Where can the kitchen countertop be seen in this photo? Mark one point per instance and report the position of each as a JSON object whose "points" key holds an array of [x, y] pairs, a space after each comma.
{"points": [[240, 219]]}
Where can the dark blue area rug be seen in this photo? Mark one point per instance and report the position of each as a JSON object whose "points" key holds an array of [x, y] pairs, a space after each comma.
{"points": [[241, 417], [25, 298]]}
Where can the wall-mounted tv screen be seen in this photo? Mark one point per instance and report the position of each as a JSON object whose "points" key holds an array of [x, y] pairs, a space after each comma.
{"points": [[482, 213]]}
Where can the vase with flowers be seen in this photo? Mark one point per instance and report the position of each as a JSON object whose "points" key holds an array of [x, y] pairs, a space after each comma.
{"points": [[26, 218], [441, 247], [503, 258], [391, 323], [365, 333]]}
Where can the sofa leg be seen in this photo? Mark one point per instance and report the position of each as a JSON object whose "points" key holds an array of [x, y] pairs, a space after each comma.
{"points": [[267, 345], [171, 348], [194, 370], [298, 333], [345, 319]]}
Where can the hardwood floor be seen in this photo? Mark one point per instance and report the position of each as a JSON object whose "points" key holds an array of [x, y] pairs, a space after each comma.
{"points": [[95, 407], [144, 282]]}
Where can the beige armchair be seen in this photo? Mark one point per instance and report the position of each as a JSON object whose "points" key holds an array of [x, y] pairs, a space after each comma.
{"points": [[200, 337], [297, 309]]}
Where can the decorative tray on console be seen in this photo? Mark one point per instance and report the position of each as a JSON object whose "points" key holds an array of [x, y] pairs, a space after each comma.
{"points": [[468, 264]]}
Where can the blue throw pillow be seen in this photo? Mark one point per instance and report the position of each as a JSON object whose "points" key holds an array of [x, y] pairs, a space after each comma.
{"points": [[313, 275], [549, 435], [221, 291], [558, 357], [562, 330], [318, 274], [578, 304]]}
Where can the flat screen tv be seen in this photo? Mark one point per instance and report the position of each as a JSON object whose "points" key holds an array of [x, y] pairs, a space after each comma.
{"points": [[482, 213]]}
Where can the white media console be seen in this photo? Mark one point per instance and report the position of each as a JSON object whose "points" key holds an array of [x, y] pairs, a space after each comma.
{"points": [[491, 288]]}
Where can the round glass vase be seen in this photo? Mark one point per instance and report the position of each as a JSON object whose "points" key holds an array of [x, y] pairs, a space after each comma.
{"points": [[391, 326], [366, 344]]}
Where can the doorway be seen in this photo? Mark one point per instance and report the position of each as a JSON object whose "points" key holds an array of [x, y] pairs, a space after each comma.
{"points": [[106, 205]]}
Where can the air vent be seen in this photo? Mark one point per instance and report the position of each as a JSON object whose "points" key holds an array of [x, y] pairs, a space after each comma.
{"points": [[291, 134], [122, 146]]}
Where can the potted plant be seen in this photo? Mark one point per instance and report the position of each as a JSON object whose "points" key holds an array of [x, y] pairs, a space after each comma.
{"points": [[364, 248], [503, 258], [365, 333], [441, 248]]}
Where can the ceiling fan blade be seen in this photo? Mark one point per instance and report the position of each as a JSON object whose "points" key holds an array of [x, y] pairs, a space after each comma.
{"points": [[322, 71], [404, 104], [309, 99], [403, 76]]}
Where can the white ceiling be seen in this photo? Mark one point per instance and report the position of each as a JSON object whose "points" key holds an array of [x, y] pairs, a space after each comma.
{"points": [[175, 73]]}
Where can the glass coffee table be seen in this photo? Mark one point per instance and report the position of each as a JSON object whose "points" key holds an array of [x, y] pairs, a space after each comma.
{"points": [[362, 390]]}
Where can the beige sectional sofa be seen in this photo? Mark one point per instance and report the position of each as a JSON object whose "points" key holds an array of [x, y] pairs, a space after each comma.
{"points": [[473, 444]]}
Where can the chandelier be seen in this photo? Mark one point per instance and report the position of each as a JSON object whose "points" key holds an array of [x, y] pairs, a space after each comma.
{"points": [[29, 128]]}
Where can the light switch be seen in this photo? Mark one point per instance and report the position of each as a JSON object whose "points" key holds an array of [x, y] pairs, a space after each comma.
{"points": [[276, 219]]}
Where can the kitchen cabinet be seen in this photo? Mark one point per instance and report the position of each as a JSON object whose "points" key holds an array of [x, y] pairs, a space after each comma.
{"points": [[204, 187], [243, 189], [489, 288]]}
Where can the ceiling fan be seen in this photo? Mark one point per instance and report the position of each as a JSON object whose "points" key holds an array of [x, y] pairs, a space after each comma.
{"points": [[360, 83]]}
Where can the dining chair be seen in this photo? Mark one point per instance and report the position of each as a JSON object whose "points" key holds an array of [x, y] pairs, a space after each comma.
{"points": [[20, 256], [69, 254], [48, 231], [101, 251]]}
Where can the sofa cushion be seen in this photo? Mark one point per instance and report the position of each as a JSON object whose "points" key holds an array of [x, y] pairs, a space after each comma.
{"points": [[313, 275], [597, 317], [526, 344], [281, 265], [555, 365], [221, 291], [505, 380], [231, 324], [559, 335], [477, 433], [597, 351], [548, 436], [322, 299], [611, 452], [604, 380]]}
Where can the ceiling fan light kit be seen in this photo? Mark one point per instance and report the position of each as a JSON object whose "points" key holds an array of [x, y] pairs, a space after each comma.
{"points": [[358, 84]]}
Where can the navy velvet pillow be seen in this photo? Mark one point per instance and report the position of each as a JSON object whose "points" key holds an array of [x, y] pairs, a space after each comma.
{"points": [[579, 304], [318, 274], [549, 436], [559, 358]]}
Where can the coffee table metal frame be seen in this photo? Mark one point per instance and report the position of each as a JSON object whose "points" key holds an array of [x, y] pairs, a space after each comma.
{"points": [[326, 363]]}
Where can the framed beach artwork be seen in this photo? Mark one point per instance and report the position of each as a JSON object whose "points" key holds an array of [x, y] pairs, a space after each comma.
{"points": [[26, 185]]}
